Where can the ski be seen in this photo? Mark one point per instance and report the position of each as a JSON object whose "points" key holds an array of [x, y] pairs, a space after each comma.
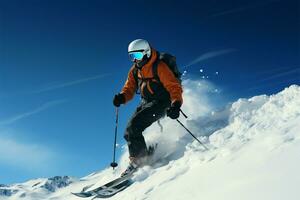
{"points": [[111, 191], [113, 187], [106, 187]]}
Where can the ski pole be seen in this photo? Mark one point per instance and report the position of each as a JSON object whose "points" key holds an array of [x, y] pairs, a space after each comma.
{"points": [[183, 114], [191, 134], [114, 164]]}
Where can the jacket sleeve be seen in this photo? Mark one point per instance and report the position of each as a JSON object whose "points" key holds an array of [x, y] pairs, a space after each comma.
{"points": [[129, 87], [170, 82]]}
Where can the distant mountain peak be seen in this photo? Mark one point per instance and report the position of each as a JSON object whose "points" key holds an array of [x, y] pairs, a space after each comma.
{"points": [[56, 182]]}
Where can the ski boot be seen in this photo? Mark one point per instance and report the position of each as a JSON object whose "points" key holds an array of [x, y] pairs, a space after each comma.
{"points": [[132, 167], [140, 161]]}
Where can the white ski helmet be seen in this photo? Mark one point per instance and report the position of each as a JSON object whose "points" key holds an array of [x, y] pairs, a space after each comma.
{"points": [[140, 45]]}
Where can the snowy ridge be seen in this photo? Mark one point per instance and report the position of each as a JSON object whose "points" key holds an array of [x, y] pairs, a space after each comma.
{"points": [[254, 154], [35, 189]]}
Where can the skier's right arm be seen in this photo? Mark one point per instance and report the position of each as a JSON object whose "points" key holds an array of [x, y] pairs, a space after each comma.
{"points": [[130, 86]]}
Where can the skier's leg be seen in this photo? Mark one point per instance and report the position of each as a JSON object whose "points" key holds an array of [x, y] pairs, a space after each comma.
{"points": [[141, 119]]}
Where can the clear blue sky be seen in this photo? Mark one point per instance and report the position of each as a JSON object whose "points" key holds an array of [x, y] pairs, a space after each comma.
{"points": [[61, 62]]}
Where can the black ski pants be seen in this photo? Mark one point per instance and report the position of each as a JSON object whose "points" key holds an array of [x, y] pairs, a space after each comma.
{"points": [[145, 114]]}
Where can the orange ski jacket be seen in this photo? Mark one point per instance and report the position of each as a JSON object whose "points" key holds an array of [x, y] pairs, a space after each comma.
{"points": [[166, 77]]}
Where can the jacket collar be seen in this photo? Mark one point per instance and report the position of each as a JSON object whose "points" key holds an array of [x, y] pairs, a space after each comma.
{"points": [[152, 58]]}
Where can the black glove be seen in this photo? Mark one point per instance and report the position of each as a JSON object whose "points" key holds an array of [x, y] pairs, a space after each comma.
{"points": [[119, 99], [174, 111]]}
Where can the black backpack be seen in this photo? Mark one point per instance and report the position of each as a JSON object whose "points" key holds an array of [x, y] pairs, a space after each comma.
{"points": [[170, 61]]}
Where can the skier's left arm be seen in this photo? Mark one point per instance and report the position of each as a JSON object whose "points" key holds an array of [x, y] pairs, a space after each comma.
{"points": [[170, 82]]}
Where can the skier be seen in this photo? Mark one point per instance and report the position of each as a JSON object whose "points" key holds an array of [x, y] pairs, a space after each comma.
{"points": [[159, 96]]}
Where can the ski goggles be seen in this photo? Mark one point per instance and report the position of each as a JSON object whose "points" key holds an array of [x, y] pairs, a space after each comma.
{"points": [[136, 55]]}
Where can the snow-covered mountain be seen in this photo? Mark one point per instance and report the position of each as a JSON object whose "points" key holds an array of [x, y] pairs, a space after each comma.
{"points": [[37, 188], [254, 154]]}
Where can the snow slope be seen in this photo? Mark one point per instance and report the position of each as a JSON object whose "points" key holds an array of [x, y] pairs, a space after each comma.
{"points": [[254, 154]]}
